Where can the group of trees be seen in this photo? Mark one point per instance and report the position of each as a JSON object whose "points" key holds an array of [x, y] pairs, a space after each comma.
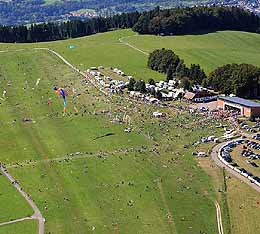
{"points": [[179, 21], [64, 30], [242, 80], [134, 85], [166, 61], [168, 22], [140, 86]]}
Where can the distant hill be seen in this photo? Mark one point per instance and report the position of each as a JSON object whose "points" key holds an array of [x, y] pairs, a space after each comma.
{"points": [[27, 11]]}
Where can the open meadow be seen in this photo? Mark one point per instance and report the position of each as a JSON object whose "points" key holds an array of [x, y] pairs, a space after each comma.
{"points": [[85, 173], [109, 49], [27, 226]]}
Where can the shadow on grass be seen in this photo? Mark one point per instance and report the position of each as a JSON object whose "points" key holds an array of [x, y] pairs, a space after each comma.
{"points": [[105, 135]]}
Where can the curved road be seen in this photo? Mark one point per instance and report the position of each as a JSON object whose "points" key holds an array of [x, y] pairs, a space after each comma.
{"points": [[214, 156]]}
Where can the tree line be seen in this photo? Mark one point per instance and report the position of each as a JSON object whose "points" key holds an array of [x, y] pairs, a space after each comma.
{"points": [[64, 30], [173, 21], [196, 20], [166, 61], [243, 80]]}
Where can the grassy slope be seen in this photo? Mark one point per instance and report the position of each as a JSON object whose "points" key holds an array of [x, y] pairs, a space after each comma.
{"points": [[171, 182], [14, 204], [100, 49], [183, 183], [210, 50], [86, 182], [25, 227], [51, 132], [244, 214]]}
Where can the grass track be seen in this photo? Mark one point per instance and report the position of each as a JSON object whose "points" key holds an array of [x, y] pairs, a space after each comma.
{"points": [[25, 227]]}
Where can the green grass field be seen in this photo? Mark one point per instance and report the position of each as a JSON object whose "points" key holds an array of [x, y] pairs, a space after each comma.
{"points": [[28, 227], [210, 50], [133, 188], [242, 161], [13, 205], [146, 181]]}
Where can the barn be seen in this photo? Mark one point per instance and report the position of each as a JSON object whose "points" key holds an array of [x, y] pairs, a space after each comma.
{"points": [[246, 107]]}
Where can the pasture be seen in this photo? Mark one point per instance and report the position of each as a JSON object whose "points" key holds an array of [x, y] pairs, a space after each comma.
{"points": [[27, 226], [83, 171], [209, 50]]}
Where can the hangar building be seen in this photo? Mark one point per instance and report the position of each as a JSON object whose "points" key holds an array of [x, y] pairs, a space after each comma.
{"points": [[246, 107]]}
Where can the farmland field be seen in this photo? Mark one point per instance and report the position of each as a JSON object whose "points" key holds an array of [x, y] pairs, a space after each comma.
{"points": [[209, 50], [83, 171]]}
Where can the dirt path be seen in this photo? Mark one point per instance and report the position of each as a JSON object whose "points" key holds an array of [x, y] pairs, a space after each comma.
{"points": [[37, 213], [121, 40], [219, 219], [76, 156], [16, 221]]}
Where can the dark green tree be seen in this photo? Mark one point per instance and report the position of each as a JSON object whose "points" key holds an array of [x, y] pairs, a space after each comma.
{"points": [[186, 83], [140, 86], [131, 84], [151, 81], [170, 73]]}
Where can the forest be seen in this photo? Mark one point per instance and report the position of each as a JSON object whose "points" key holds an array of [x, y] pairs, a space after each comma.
{"points": [[196, 20], [242, 80], [63, 30], [38, 11], [175, 21]]}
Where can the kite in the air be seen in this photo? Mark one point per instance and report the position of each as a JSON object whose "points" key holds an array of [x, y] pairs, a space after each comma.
{"points": [[62, 93]]}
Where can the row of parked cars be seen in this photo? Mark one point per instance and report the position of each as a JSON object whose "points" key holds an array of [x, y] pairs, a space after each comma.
{"points": [[250, 154], [254, 145], [256, 126], [226, 157], [246, 127], [257, 137], [227, 149]]}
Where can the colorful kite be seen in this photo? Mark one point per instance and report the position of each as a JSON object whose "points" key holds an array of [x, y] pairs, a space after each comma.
{"points": [[62, 93]]}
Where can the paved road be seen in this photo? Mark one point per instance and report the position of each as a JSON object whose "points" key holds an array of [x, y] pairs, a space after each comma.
{"points": [[37, 213], [214, 156]]}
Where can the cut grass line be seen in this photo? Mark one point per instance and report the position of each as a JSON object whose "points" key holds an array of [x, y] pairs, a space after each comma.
{"points": [[169, 214], [219, 218], [80, 156], [121, 40]]}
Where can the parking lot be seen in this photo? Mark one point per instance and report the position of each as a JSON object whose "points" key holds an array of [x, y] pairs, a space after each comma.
{"points": [[243, 156]]}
